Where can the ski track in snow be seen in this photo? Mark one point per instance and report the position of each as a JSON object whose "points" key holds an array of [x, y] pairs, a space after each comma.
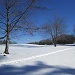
{"points": [[33, 57]]}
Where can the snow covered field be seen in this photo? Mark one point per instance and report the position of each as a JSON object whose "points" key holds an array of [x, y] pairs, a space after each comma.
{"points": [[26, 59]]}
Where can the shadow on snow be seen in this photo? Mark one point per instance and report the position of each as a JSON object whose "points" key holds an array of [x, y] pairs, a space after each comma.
{"points": [[32, 69]]}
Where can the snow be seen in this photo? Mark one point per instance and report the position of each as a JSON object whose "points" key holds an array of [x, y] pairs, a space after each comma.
{"points": [[29, 59]]}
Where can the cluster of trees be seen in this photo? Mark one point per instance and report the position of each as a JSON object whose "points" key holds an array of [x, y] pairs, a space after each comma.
{"points": [[62, 39], [66, 39], [10, 42], [43, 42]]}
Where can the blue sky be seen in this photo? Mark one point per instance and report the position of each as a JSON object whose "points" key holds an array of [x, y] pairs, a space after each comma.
{"points": [[63, 8]]}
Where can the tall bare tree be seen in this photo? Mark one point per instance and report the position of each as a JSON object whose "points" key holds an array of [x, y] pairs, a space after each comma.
{"points": [[55, 28], [14, 17]]}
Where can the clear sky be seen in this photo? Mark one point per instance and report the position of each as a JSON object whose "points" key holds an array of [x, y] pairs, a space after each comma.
{"points": [[63, 8]]}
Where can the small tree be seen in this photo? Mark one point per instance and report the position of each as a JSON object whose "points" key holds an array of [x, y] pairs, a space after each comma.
{"points": [[54, 28]]}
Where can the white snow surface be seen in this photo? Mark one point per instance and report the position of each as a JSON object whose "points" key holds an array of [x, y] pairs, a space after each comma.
{"points": [[29, 59]]}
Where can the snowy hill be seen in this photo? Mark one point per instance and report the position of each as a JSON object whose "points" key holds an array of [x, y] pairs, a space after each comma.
{"points": [[28, 59]]}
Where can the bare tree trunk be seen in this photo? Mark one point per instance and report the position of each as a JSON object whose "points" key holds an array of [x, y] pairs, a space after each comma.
{"points": [[7, 45], [55, 42], [7, 41], [55, 38]]}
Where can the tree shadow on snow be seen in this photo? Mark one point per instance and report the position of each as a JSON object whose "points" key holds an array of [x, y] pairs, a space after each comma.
{"points": [[32, 69]]}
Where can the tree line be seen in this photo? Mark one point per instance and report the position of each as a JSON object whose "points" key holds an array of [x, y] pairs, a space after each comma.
{"points": [[62, 39]]}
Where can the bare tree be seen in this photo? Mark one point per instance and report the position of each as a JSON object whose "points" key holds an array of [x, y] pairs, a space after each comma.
{"points": [[14, 17], [55, 28]]}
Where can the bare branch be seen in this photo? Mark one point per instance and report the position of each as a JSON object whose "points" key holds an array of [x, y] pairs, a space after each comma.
{"points": [[2, 16], [2, 28], [3, 37], [2, 22], [22, 15]]}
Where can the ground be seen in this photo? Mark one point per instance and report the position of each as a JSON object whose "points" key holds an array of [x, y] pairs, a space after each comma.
{"points": [[26, 59]]}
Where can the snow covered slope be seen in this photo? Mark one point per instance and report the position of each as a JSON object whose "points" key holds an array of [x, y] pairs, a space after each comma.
{"points": [[26, 59]]}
